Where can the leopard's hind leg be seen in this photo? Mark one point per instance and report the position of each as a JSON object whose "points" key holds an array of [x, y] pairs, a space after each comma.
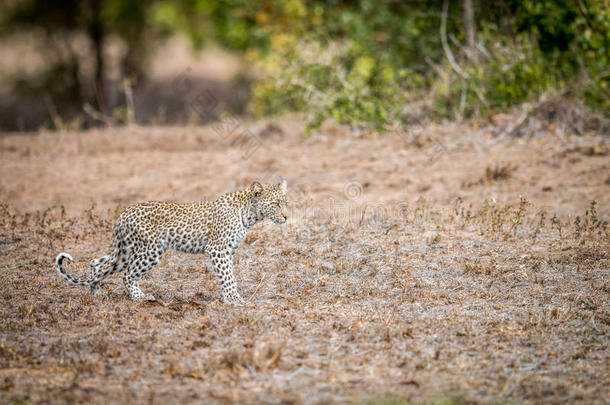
{"points": [[141, 262], [107, 265], [95, 270]]}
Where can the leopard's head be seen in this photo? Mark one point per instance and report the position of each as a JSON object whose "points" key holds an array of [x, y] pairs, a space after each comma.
{"points": [[269, 201]]}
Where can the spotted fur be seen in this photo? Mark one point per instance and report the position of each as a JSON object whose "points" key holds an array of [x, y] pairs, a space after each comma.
{"points": [[145, 231]]}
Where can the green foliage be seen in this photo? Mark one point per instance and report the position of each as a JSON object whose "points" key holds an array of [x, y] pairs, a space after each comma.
{"points": [[236, 24], [574, 37], [510, 72], [344, 80], [326, 79], [367, 62]]}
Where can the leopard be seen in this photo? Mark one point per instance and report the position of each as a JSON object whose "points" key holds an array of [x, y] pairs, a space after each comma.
{"points": [[145, 231]]}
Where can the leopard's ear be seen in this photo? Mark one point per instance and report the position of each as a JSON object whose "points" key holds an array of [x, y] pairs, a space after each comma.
{"points": [[257, 189], [283, 186]]}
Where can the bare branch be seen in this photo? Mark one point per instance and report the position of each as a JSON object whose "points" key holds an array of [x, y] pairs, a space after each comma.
{"points": [[445, 45], [96, 115]]}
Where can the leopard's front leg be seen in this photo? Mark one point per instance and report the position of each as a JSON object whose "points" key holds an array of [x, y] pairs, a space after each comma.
{"points": [[222, 261]]}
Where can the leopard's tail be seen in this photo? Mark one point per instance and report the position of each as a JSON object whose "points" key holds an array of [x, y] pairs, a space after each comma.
{"points": [[60, 268], [99, 268]]}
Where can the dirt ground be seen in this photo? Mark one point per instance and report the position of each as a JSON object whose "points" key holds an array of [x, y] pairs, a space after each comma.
{"points": [[453, 264]]}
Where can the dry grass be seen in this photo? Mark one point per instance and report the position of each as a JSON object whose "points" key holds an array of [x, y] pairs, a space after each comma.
{"points": [[425, 283]]}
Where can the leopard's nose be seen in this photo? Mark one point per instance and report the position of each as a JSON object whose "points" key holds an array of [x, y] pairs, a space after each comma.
{"points": [[285, 217]]}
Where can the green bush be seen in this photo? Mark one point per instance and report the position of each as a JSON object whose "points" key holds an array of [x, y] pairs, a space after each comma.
{"points": [[331, 79], [369, 62]]}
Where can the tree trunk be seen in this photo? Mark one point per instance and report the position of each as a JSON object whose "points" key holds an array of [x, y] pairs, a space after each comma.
{"points": [[96, 32], [470, 28]]}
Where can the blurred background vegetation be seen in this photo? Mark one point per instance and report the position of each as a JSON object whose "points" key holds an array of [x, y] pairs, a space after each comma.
{"points": [[365, 63]]}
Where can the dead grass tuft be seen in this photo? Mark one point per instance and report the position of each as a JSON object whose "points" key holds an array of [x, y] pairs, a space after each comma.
{"points": [[498, 172]]}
